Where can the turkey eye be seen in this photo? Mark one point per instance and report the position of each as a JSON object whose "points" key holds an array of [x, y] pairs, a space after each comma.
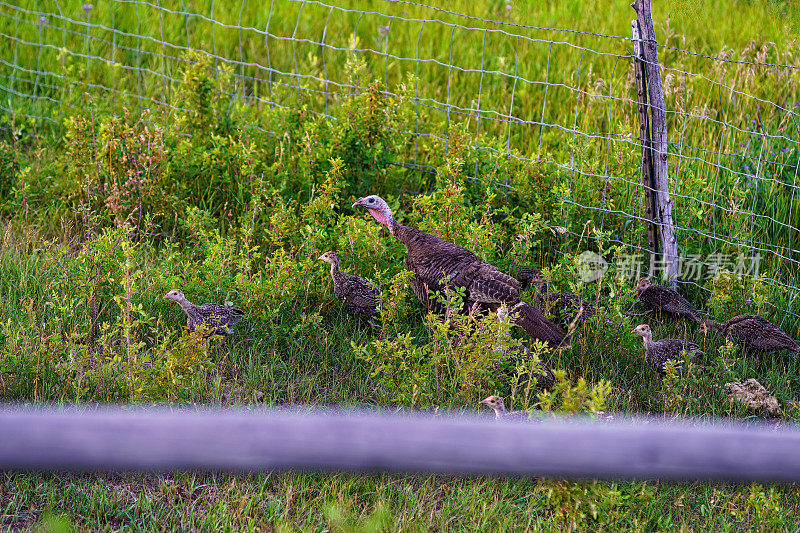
{"points": [[372, 200]]}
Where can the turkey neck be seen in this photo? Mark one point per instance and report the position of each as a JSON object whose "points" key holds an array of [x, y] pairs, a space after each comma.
{"points": [[410, 237], [185, 304], [648, 341], [387, 219], [336, 274]]}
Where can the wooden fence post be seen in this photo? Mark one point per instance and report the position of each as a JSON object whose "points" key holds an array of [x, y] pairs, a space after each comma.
{"points": [[658, 143], [647, 152]]}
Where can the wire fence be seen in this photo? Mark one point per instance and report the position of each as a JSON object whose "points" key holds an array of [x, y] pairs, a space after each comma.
{"points": [[561, 99]]}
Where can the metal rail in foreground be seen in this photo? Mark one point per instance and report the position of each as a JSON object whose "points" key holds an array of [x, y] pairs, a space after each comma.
{"points": [[237, 440]]}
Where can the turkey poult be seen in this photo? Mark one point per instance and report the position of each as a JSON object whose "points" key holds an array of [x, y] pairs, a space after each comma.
{"points": [[357, 295], [755, 334], [664, 300], [496, 404], [437, 263], [657, 353], [218, 318]]}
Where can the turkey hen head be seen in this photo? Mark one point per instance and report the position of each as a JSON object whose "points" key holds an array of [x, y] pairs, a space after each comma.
{"points": [[379, 210]]}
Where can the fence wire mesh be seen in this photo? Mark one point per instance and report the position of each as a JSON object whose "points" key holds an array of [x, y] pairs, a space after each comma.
{"points": [[561, 101]]}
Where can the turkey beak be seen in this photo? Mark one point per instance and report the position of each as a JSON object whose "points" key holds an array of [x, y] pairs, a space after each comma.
{"points": [[484, 402], [634, 330], [165, 296], [358, 203]]}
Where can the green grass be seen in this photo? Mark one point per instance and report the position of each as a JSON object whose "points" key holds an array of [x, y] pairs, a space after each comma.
{"points": [[379, 502], [103, 215]]}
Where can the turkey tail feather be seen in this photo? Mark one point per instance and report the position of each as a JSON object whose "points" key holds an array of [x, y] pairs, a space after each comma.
{"points": [[538, 327]]}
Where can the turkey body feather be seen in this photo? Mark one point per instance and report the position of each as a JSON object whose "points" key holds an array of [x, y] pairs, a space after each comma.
{"points": [[436, 262], [755, 334], [358, 296], [665, 301], [665, 350], [218, 317]]}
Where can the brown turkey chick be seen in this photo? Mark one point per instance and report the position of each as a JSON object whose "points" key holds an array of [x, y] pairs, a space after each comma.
{"points": [[357, 295], [496, 404], [657, 353], [219, 319], [756, 335], [665, 301], [437, 263]]}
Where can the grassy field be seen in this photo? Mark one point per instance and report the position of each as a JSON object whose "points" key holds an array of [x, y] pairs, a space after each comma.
{"points": [[227, 174]]}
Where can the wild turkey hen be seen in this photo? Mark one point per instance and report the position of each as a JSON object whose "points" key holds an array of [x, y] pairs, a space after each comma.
{"points": [[657, 353], [496, 404], [218, 318], [755, 334], [437, 264], [665, 301], [357, 295]]}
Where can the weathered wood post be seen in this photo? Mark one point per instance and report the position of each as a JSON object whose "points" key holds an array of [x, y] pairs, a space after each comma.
{"points": [[647, 153], [658, 142]]}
